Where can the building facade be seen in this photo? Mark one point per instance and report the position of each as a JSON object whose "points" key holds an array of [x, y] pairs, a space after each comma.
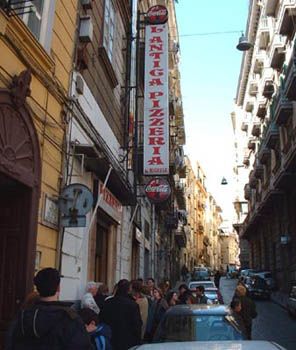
{"points": [[37, 49], [265, 102]]}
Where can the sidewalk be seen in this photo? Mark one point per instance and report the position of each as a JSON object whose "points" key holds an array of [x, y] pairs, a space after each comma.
{"points": [[280, 298]]}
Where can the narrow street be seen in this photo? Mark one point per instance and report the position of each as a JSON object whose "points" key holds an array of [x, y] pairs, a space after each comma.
{"points": [[272, 323]]}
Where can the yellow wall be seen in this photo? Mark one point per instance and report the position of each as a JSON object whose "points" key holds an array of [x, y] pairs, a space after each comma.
{"points": [[49, 88]]}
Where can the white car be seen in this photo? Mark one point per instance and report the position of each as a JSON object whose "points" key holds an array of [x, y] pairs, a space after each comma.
{"points": [[211, 291], [213, 345], [206, 284]]}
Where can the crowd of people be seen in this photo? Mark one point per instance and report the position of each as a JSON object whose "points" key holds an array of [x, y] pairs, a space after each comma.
{"points": [[119, 320]]}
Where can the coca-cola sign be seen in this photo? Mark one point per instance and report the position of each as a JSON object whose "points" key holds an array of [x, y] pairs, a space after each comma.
{"points": [[157, 14], [158, 190]]}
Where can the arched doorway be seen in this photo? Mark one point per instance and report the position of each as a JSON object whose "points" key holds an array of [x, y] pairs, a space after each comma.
{"points": [[19, 198]]}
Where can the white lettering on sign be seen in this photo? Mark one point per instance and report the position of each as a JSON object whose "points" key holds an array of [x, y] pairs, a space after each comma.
{"points": [[109, 203], [156, 114]]}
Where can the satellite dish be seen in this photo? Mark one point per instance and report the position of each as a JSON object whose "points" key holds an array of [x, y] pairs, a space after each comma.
{"points": [[75, 202]]}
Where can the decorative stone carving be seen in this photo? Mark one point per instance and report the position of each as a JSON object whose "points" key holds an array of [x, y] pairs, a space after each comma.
{"points": [[21, 87]]}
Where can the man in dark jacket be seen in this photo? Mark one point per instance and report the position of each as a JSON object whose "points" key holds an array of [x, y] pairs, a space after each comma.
{"points": [[49, 324], [122, 314], [248, 309]]}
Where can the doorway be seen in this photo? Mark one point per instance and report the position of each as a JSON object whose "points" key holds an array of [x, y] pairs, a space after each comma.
{"points": [[15, 207], [101, 261]]}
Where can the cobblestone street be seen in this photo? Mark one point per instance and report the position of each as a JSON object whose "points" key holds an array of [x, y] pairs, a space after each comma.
{"points": [[272, 323]]}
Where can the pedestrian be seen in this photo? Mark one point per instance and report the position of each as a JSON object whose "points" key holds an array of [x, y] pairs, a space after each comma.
{"points": [[122, 314], [159, 308], [248, 310], [151, 285], [143, 303], [201, 298], [217, 278], [187, 298], [236, 308], [99, 332], [88, 300], [182, 289], [102, 294], [184, 272], [172, 298], [47, 323]]}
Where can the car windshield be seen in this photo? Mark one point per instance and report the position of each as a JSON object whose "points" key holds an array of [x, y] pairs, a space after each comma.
{"points": [[197, 327], [206, 284]]}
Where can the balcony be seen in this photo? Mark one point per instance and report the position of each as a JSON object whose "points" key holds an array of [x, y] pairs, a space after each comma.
{"points": [[253, 89], [250, 105], [180, 195], [264, 36], [246, 161], [252, 144], [247, 192], [268, 89], [290, 81], [272, 135], [283, 109], [259, 61], [256, 129], [180, 237], [244, 126], [270, 7], [277, 52], [261, 110], [253, 180], [263, 153], [287, 18], [258, 170]]}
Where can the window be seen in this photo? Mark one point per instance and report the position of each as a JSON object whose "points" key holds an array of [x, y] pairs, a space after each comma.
{"points": [[38, 16], [109, 24]]}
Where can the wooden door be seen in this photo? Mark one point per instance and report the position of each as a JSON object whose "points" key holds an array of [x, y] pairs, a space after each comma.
{"points": [[101, 273], [14, 218]]}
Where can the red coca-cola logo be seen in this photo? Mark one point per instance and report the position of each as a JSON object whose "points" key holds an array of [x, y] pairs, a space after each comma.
{"points": [[157, 14], [158, 190]]}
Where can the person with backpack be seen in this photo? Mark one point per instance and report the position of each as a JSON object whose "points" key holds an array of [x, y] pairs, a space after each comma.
{"points": [[100, 333], [47, 323]]}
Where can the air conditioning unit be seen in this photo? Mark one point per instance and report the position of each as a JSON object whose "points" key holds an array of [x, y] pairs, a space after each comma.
{"points": [[86, 29], [86, 4]]}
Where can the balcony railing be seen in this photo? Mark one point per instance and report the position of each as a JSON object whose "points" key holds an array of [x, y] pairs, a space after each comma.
{"points": [[277, 52], [283, 109], [272, 135], [256, 129]]}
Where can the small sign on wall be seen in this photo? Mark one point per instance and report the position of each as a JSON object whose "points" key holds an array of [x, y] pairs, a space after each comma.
{"points": [[50, 212]]}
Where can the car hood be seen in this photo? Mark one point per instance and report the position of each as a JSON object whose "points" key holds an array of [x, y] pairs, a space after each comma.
{"points": [[213, 345]]}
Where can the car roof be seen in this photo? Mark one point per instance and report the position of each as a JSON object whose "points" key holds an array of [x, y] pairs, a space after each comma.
{"points": [[198, 309], [214, 345]]}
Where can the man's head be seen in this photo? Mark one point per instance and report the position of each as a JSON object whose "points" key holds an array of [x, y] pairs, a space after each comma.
{"points": [[150, 282], [123, 287], [240, 291], [47, 282], [90, 319], [235, 305], [200, 290], [183, 288], [92, 287]]}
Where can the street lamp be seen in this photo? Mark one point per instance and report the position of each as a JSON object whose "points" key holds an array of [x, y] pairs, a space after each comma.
{"points": [[243, 43], [224, 181]]}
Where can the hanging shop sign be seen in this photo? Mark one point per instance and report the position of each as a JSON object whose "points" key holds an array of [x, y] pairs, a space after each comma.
{"points": [[156, 114], [157, 15], [75, 202], [158, 190], [109, 203]]}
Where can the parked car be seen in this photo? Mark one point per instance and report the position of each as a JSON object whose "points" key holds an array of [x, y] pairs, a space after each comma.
{"points": [[291, 304], [246, 273], [257, 287], [197, 322], [213, 345], [200, 274], [211, 291], [267, 276]]}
